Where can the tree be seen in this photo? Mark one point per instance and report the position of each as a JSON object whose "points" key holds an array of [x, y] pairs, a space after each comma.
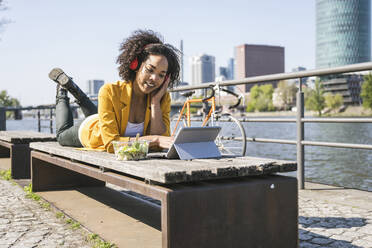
{"points": [[333, 101], [287, 93], [366, 93], [315, 98], [7, 101], [261, 98]]}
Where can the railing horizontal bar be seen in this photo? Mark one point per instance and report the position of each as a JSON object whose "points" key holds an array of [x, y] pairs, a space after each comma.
{"points": [[340, 145], [283, 76], [267, 120], [263, 140], [310, 143], [338, 120]]}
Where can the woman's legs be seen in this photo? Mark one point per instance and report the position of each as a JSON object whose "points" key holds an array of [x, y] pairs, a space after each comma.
{"points": [[86, 105], [67, 132]]}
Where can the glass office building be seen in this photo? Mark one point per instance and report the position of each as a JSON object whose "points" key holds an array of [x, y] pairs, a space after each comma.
{"points": [[343, 32]]}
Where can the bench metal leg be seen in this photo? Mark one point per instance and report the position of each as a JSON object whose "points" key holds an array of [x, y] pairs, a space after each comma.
{"points": [[49, 176], [235, 213], [20, 161], [4, 152]]}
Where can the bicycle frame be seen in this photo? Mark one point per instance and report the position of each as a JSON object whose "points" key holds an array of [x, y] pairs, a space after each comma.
{"points": [[188, 114]]}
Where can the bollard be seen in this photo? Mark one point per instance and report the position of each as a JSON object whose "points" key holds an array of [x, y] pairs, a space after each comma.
{"points": [[2, 119]]}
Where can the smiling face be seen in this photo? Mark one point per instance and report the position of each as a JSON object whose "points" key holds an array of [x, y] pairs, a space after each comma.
{"points": [[151, 74]]}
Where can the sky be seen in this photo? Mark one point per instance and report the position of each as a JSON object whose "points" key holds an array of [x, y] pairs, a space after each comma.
{"points": [[83, 37]]}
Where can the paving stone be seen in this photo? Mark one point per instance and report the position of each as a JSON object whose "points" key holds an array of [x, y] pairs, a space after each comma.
{"points": [[363, 243], [342, 244], [305, 237], [24, 223], [308, 245], [322, 241], [343, 238]]}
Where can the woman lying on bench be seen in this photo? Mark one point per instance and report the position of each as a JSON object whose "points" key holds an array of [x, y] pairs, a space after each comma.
{"points": [[138, 104]]}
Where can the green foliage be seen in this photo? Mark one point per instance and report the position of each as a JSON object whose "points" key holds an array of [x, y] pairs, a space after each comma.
{"points": [[366, 93], [315, 98], [6, 174], [7, 101], [250, 107], [333, 101], [60, 215], [30, 194], [98, 243], [287, 93], [261, 98]]}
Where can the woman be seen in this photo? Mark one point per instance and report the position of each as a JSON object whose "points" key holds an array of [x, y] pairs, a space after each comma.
{"points": [[138, 104]]}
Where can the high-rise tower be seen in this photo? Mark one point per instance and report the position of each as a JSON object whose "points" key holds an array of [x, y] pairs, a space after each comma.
{"points": [[257, 60], [343, 37], [343, 32], [202, 69]]}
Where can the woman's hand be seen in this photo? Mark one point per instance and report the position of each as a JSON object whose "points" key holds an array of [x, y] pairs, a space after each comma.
{"points": [[157, 141], [157, 94]]}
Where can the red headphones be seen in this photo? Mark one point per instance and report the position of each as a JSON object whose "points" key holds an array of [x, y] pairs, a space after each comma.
{"points": [[134, 64]]}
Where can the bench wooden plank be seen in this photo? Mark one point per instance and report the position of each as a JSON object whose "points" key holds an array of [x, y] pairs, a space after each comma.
{"points": [[172, 171], [15, 144], [25, 137]]}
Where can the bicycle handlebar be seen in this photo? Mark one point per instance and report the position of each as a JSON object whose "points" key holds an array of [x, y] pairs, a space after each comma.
{"points": [[211, 87]]}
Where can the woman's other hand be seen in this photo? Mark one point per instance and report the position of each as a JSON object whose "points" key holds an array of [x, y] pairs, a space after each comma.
{"points": [[158, 141]]}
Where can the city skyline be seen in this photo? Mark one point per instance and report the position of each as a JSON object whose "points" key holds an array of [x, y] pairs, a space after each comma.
{"points": [[84, 39]]}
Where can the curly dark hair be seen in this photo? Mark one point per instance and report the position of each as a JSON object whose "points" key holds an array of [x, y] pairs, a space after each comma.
{"points": [[140, 45]]}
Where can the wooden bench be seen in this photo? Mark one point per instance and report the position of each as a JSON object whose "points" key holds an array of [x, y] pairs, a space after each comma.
{"points": [[227, 202], [15, 144]]}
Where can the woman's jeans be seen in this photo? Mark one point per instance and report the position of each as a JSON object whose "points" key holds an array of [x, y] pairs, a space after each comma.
{"points": [[67, 132]]}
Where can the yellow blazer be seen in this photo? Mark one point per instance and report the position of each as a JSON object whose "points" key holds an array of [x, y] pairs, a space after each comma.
{"points": [[114, 101]]}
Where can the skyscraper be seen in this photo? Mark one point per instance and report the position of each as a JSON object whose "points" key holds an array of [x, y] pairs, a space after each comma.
{"points": [[230, 69], [343, 32], [257, 60], [93, 86], [343, 36], [202, 69]]}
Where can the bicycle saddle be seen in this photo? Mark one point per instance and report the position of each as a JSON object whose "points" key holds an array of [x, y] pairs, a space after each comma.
{"points": [[187, 93]]}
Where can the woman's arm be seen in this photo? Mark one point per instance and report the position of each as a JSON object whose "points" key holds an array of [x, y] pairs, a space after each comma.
{"points": [[160, 102]]}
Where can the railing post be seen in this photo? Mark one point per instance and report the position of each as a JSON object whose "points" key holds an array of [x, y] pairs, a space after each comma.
{"points": [[300, 138], [51, 120], [38, 120], [2, 119]]}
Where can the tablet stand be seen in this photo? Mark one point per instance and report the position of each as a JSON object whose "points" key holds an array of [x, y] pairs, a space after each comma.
{"points": [[187, 151]]}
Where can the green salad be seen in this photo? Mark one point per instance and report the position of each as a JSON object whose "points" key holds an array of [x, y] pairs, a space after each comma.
{"points": [[134, 151]]}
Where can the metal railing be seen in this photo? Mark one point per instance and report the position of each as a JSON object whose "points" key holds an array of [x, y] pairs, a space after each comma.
{"points": [[299, 120]]}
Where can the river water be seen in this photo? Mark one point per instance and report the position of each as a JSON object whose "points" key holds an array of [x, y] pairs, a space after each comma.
{"points": [[335, 166]]}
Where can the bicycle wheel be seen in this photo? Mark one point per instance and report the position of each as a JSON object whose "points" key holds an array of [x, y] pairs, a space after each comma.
{"points": [[231, 139]]}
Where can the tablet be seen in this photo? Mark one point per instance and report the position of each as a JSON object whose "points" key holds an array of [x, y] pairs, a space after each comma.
{"points": [[195, 142]]}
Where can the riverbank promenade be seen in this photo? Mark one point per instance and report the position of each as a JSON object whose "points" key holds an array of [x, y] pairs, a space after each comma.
{"points": [[328, 217]]}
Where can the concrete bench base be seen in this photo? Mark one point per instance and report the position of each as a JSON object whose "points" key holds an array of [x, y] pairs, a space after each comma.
{"points": [[15, 144], [238, 212]]}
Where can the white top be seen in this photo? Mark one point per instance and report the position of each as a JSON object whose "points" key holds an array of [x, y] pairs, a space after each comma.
{"points": [[131, 131], [134, 128]]}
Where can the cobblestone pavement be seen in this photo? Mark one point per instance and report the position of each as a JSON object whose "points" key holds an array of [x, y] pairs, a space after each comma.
{"points": [[24, 223], [324, 224]]}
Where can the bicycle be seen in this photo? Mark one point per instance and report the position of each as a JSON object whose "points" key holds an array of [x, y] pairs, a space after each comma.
{"points": [[231, 139]]}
